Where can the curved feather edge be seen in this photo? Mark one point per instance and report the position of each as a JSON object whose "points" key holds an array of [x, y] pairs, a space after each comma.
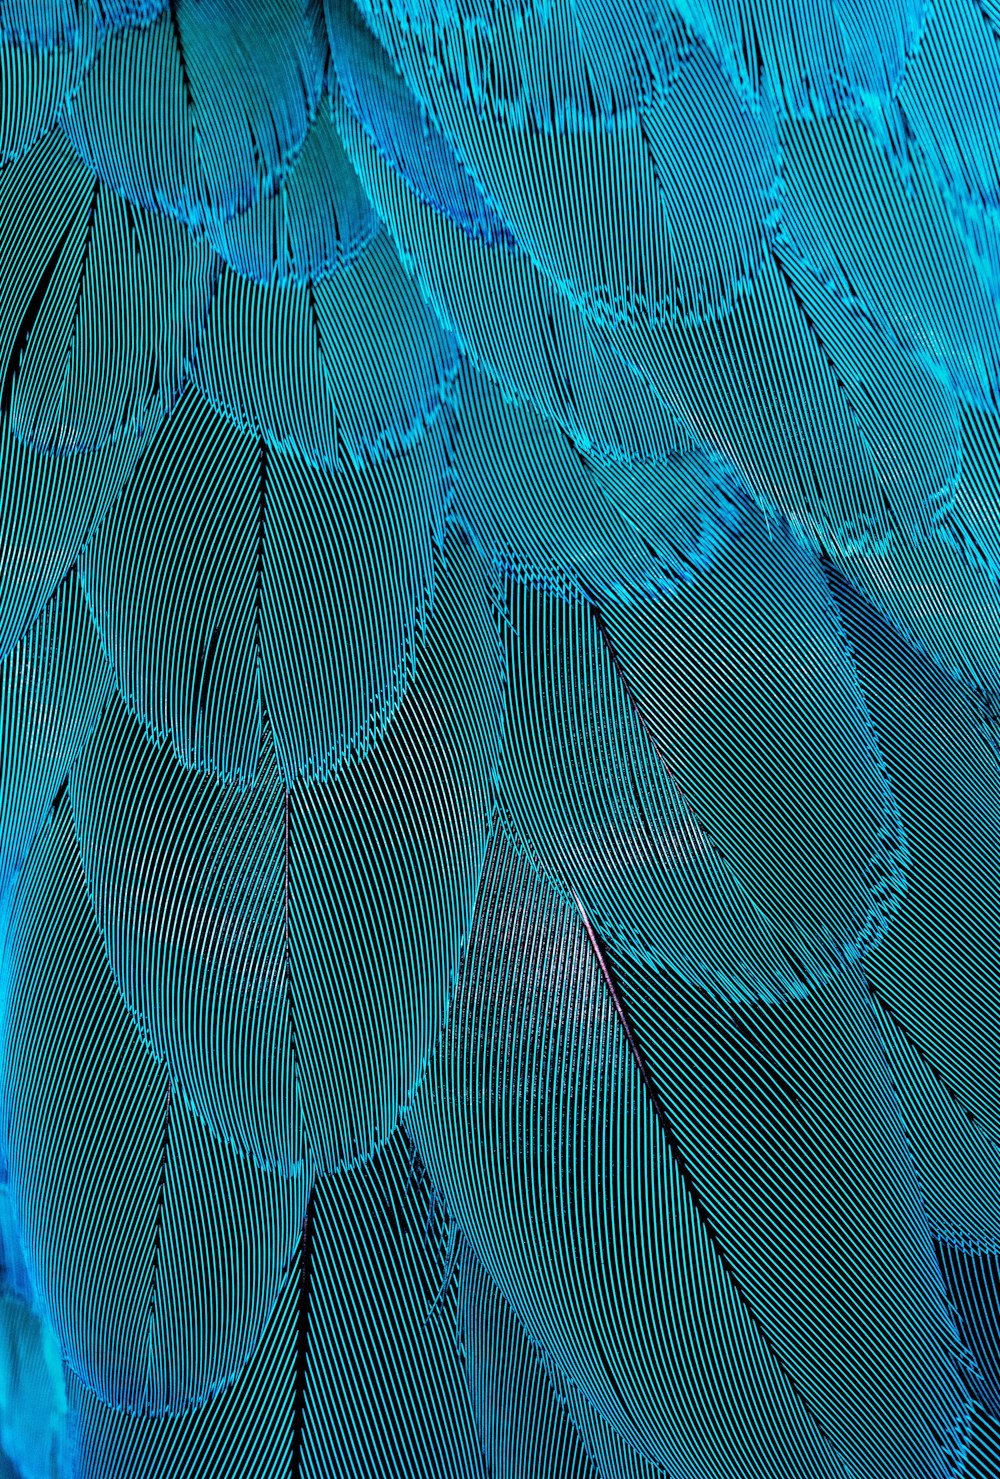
{"points": [[758, 387], [188, 881], [542, 510], [282, 361], [158, 1254], [407, 138], [877, 232], [746, 687], [972, 527], [769, 1103], [36, 82], [949, 99], [531, 1421], [199, 112], [593, 803], [612, 214], [317, 221], [552, 357], [909, 421], [262, 580], [627, 1291], [578, 1056], [524, 1429], [269, 894], [552, 68], [120, 13], [53, 686], [763, 389], [956, 1161], [40, 24], [346, 593], [610, 1455], [384, 866], [972, 1275], [49, 506], [173, 578], [68, 384], [815, 60], [939, 593], [351, 1337], [933, 968]]}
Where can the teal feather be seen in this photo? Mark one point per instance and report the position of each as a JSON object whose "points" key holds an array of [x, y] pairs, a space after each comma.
{"points": [[244, 621], [270, 891], [68, 385], [37, 80], [127, 1207], [561, 1134], [746, 686], [279, 361], [499, 739], [228, 96], [381, 1390], [53, 685]]}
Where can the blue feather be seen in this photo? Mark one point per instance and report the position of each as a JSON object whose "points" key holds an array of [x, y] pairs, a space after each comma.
{"points": [[383, 871], [549, 67], [971, 1274], [882, 239], [624, 1290], [200, 111], [325, 640], [611, 209], [173, 582], [931, 967], [36, 80], [208, 994], [816, 59], [746, 686], [281, 361], [594, 803], [40, 24], [950, 101], [271, 892], [34, 1442], [128, 1208], [49, 507], [400, 129], [53, 685], [553, 357], [680, 1151], [69, 385], [540, 507], [610, 1454], [353, 1374], [940, 594], [499, 739], [316, 221], [524, 1425]]}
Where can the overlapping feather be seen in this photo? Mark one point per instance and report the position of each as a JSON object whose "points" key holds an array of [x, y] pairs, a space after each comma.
{"points": [[499, 709]]}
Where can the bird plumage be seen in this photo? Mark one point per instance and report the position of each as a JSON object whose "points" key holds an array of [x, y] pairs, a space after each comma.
{"points": [[499, 739]]}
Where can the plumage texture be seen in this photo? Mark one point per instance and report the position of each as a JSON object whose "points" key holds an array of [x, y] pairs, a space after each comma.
{"points": [[499, 739]]}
